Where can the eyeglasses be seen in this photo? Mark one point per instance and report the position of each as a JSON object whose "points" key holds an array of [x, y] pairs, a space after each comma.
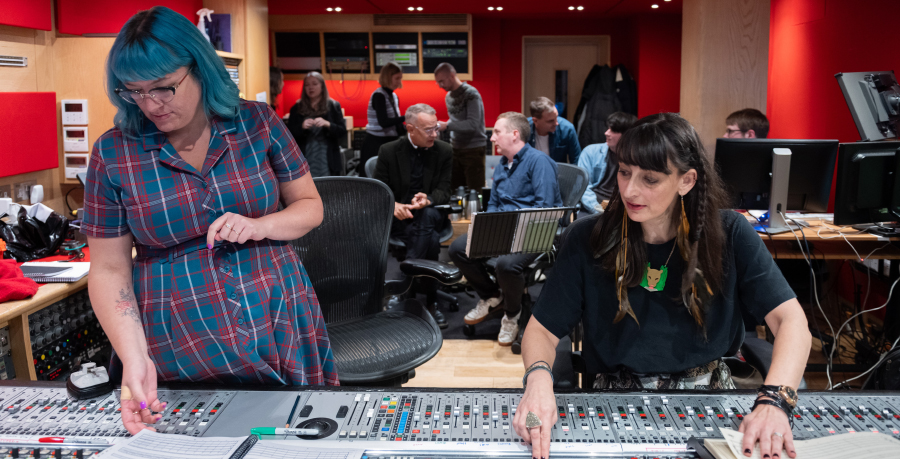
{"points": [[730, 132], [162, 95], [430, 131]]}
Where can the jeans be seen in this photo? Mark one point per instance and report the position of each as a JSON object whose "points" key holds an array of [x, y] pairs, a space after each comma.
{"points": [[510, 272]]}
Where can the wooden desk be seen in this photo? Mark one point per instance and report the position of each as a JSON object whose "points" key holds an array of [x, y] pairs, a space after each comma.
{"points": [[15, 314], [826, 242]]}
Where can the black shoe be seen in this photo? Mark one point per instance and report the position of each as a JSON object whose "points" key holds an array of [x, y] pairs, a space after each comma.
{"points": [[439, 317]]}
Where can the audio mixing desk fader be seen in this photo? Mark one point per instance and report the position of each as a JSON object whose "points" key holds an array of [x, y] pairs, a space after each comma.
{"points": [[435, 422]]}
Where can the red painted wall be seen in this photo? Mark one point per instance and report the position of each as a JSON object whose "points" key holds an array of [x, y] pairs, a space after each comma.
{"points": [[78, 17], [809, 42], [33, 14], [649, 46]]}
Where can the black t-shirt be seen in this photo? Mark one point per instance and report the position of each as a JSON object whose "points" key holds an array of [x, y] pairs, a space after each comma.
{"points": [[668, 339]]}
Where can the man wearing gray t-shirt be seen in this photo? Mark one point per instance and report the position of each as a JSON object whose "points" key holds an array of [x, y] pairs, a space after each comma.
{"points": [[466, 126]]}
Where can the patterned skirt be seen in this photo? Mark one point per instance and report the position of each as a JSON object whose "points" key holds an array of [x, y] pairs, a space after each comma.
{"points": [[713, 375]]}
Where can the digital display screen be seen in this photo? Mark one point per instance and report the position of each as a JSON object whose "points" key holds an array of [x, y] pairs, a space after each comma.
{"points": [[74, 161], [399, 47], [74, 107], [75, 134], [449, 47], [403, 59]]}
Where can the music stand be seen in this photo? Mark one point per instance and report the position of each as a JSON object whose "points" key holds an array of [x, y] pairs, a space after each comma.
{"points": [[492, 234]]}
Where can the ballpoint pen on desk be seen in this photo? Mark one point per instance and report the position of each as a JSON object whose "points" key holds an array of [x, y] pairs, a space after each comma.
{"points": [[279, 431], [291, 416]]}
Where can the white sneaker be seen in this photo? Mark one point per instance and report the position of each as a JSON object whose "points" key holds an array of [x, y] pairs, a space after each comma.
{"points": [[509, 329], [482, 309]]}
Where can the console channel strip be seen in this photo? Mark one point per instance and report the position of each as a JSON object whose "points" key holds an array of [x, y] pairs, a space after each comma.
{"points": [[65, 334], [7, 370]]}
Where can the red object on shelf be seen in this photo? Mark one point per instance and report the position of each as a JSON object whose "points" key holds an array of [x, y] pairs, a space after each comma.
{"points": [[32, 14], [29, 141], [78, 17]]}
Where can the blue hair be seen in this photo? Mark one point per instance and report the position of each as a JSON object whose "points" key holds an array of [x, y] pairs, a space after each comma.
{"points": [[154, 43]]}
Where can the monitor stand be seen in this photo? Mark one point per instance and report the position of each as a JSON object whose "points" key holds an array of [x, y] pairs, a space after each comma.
{"points": [[781, 172]]}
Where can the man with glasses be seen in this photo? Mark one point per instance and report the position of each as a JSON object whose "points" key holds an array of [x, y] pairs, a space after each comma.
{"points": [[417, 169], [748, 123]]}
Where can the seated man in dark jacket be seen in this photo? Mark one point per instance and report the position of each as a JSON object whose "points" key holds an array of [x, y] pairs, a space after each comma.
{"points": [[417, 169]]}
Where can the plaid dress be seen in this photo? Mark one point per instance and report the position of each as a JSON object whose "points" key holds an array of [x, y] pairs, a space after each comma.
{"points": [[239, 313]]}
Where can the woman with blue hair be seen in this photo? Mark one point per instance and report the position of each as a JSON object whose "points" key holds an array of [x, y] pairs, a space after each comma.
{"points": [[192, 177]]}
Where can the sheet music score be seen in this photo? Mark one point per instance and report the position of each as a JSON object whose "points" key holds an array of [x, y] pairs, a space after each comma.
{"points": [[856, 445], [147, 444]]}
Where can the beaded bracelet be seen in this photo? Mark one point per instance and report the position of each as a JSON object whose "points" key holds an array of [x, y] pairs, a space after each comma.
{"points": [[539, 361], [535, 368]]}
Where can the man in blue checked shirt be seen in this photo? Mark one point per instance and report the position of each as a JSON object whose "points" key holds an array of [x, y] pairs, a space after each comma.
{"points": [[525, 178]]}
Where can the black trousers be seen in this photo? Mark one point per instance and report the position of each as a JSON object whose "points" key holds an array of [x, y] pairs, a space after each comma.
{"points": [[370, 147], [421, 235], [510, 273]]}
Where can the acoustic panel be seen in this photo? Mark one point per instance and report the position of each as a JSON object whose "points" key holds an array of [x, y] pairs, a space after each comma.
{"points": [[30, 140]]}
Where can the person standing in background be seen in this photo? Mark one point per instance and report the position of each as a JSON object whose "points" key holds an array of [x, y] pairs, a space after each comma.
{"points": [[276, 86], [384, 121], [317, 124], [466, 126]]}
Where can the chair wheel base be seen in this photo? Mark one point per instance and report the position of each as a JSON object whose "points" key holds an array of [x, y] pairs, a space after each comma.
{"points": [[516, 347], [453, 307], [468, 330]]}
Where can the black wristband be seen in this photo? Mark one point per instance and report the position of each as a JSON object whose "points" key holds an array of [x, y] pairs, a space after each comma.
{"points": [[780, 404]]}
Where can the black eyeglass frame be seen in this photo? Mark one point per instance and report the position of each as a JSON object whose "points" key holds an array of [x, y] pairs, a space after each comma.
{"points": [[128, 94]]}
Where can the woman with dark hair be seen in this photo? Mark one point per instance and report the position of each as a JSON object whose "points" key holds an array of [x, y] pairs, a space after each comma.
{"points": [[317, 124], [192, 177], [384, 120], [660, 282]]}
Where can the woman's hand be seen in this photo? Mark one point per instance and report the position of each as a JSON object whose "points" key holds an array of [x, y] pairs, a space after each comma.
{"points": [[540, 400], [139, 398], [322, 122], [308, 123], [761, 425], [235, 228]]}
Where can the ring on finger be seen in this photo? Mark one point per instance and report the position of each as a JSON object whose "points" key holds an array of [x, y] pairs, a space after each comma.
{"points": [[532, 420], [228, 225], [777, 434]]}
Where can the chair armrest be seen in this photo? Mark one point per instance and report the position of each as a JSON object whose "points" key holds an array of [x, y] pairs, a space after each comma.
{"points": [[444, 273], [450, 208]]}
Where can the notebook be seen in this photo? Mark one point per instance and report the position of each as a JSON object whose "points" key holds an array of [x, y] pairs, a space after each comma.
{"points": [[55, 271]]}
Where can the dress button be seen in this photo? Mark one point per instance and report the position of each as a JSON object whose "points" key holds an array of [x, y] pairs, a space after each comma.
{"points": [[204, 185], [240, 321], [233, 296], [212, 214]]}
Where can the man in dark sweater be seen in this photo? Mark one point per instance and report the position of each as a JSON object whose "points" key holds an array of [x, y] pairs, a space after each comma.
{"points": [[416, 167], [466, 126]]}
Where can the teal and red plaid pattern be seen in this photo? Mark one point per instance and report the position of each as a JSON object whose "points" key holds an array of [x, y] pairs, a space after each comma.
{"points": [[234, 314]]}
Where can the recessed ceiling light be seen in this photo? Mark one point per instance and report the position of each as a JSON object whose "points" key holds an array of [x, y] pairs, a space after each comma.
{"points": [[329, 9], [571, 8], [411, 8], [654, 6], [580, 8], [338, 9], [419, 9], [499, 8], [490, 8]]}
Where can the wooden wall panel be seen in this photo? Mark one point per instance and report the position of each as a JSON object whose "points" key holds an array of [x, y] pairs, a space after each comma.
{"points": [[724, 62], [257, 48]]}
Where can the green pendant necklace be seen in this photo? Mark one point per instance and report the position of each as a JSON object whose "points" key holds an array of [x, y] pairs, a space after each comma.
{"points": [[655, 279]]}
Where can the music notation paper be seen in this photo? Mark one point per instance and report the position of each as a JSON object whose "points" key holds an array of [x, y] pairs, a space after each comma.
{"points": [[856, 445]]}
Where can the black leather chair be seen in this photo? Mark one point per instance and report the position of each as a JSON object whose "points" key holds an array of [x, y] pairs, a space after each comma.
{"points": [[346, 259]]}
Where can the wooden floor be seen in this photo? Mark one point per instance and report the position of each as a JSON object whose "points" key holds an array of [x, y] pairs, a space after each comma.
{"points": [[486, 364]]}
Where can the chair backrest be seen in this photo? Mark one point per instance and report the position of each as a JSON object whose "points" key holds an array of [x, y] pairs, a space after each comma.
{"points": [[370, 166], [573, 180], [346, 256]]}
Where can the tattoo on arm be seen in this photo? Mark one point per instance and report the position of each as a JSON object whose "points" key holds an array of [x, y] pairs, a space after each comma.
{"points": [[126, 305]]}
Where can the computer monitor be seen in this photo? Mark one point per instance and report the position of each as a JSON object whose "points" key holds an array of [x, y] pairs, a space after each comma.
{"points": [[867, 190], [745, 166], [874, 102]]}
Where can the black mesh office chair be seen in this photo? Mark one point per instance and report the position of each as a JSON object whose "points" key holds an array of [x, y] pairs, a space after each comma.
{"points": [[346, 259]]}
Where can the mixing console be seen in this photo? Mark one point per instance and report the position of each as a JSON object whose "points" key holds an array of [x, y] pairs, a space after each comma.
{"points": [[65, 334], [409, 422]]}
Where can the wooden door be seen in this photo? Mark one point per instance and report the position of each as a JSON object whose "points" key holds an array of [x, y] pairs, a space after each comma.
{"points": [[543, 56]]}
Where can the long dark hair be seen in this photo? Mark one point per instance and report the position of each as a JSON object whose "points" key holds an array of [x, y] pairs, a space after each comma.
{"points": [[306, 107], [653, 143]]}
